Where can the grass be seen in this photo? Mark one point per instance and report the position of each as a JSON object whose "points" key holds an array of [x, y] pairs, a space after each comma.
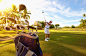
{"points": [[62, 43]]}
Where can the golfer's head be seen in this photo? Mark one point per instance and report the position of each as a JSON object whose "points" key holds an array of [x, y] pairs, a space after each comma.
{"points": [[50, 21]]}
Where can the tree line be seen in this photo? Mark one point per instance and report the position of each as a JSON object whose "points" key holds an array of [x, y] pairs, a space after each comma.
{"points": [[52, 25], [81, 25], [16, 15], [55, 26]]}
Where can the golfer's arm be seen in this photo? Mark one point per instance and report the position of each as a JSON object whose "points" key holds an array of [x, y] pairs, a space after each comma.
{"points": [[49, 24], [45, 23]]}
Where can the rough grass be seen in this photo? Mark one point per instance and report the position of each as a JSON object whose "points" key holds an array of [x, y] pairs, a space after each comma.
{"points": [[61, 43]]}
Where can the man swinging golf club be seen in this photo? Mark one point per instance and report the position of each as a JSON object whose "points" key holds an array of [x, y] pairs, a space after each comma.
{"points": [[47, 33]]}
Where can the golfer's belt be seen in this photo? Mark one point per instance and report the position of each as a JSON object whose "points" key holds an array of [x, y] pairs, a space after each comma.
{"points": [[47, 28]]}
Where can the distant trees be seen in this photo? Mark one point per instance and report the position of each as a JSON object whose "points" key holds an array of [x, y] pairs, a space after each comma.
{"points": [[6, 15], [72, 26], [57, 25], [66, 27], [42, 22], [52, 26], [84, 16], [82, 23]]}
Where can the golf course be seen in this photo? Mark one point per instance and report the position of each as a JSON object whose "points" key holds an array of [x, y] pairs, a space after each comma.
{"points": [[42, 27], [62, 42]]}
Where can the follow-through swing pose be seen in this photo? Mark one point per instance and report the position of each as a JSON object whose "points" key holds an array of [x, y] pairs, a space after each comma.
{"points": [[47, 33]]}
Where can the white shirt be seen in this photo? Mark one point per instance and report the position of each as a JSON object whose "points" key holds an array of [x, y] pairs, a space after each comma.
{"points": [[47, 26]]}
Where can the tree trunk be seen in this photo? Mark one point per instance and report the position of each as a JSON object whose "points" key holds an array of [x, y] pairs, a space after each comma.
{"points": [[56, 27]]}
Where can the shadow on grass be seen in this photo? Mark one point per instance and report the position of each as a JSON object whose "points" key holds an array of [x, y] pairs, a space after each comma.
{"points": [[56, 49], [4, 43], [3, 36], [67, 38], [64, 43], [8, 33]]}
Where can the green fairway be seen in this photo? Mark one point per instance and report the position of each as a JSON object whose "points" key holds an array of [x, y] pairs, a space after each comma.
{"points": [[61, 43]]}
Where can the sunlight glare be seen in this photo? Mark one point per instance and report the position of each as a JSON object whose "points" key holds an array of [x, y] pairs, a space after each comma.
{"points": [[2, 6]]}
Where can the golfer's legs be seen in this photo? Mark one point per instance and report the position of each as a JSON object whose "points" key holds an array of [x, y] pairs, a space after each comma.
{"points": [[47, 32], [48, 35], [45, 36]]}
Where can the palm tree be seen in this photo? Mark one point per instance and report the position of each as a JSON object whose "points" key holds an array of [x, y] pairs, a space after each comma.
{"points": [[84, 16], [83, 22], [25, 14], [15, 13], [57, 25], [3, 22]]}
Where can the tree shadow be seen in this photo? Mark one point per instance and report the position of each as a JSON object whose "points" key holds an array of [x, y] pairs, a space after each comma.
{"points": [[60, 50], [71, 39], [6, 43], [8, 33], [61, 44], [3, 36]]}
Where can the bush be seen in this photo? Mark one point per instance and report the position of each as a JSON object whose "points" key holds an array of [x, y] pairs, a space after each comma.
{"points": [[72, 26]]}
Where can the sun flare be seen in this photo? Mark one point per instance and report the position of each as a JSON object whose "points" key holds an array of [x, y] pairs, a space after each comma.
{"points": [[5, 4], [2, 6]]}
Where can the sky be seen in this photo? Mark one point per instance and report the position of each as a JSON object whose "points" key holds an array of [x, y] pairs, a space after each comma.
{"points": [[62, 12]]}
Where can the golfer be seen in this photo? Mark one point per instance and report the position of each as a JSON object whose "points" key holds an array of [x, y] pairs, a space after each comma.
{"points": [[47, 33]]}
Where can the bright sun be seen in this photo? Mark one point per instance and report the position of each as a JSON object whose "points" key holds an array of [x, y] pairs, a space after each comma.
{"points": [[2, 6]]}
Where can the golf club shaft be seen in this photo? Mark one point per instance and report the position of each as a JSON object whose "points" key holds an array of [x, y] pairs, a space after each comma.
{"points": [[43, 15]]}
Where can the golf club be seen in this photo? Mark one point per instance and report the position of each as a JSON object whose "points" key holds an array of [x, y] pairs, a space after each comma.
{"points": [[43, 15]]}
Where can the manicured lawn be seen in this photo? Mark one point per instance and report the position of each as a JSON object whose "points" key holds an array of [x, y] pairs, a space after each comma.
{"points": [[61, 43]]}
